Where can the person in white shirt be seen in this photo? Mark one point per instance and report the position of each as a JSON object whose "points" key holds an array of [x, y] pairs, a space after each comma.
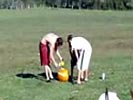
{"points": [[82, 50]]}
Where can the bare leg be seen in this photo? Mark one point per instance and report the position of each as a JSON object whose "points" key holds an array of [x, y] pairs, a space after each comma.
{"points": [[82, 75], [79, 76], [50, 73], [47, 72], [86, 74]]}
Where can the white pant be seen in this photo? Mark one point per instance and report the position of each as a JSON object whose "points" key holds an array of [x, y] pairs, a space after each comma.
{"points": [[84, 59]]}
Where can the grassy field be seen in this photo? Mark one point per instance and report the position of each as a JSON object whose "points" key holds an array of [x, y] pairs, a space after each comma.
{"points": [[111, 36]]}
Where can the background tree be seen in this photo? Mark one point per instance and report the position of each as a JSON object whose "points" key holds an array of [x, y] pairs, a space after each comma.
{"points": [[72, 4]]}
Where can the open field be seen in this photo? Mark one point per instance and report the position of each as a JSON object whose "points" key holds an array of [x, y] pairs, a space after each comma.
{"points": [[111, 36]]}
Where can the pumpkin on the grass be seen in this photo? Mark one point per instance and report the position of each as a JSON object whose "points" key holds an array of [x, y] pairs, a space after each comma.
{"points": [[63, 75]]}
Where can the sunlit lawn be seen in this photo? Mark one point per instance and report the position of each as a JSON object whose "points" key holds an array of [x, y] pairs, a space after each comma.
{"points": [[111, 36]]}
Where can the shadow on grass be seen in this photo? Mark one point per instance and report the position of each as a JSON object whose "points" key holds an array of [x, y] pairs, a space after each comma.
{"points": [[40, 76]]}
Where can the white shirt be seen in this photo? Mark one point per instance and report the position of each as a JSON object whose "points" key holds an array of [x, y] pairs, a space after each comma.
{"points": [[80, 43]]}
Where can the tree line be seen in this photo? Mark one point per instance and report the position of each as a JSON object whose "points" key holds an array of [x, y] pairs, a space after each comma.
{"points": [[72, 4]]}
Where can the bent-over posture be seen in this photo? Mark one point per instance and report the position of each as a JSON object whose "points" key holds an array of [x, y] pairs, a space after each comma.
{"points": [[49, 45], [80, 50]]}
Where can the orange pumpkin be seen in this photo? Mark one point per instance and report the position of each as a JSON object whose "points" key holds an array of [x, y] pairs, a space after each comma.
{"points": [[63, 75]]}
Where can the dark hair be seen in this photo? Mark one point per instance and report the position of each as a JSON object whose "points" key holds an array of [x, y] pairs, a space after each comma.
{"points": [[69, 37], [59, 42]]}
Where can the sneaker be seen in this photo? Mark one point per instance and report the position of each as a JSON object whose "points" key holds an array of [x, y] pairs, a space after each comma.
{"points": [[47, 80], [86, 79], [52, 79], [78, 82]]}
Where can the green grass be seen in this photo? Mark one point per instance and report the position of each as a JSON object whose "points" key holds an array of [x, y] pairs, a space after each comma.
{"points": [[111, 36]]}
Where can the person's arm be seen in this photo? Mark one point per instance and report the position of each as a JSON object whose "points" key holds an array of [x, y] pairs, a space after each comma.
{"points": [[58, 54], [76, 53], [52, 56]]}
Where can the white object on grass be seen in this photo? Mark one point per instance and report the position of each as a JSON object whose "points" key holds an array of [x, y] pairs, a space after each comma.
{"points": [[111, 96], [103, 76]]}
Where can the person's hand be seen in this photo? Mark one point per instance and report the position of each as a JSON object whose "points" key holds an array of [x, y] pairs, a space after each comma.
{"points": [[61, 59], [56, 65], [59, 67], [62, 64]]}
